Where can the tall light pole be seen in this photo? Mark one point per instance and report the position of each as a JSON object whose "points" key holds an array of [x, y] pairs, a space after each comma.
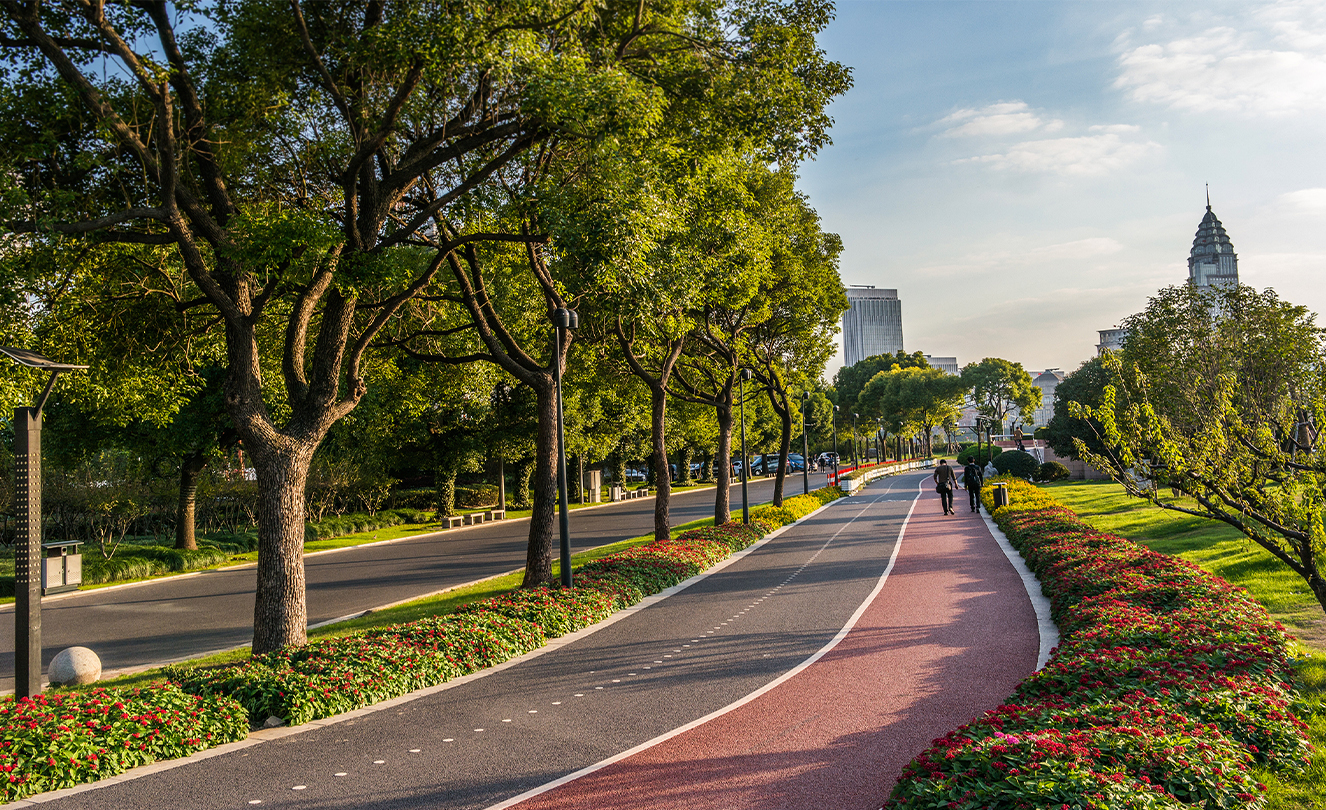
{"points": [[27, 551], [805, 444], [501, 398], [856, 462], [835, 445], [746, 374], [563, 319]]}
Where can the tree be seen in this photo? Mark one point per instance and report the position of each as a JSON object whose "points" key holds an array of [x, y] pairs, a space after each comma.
{"points": [[1215, 408], [850, 380], [304, 163], [1000, 387], [923, 397], [1085, 387]]}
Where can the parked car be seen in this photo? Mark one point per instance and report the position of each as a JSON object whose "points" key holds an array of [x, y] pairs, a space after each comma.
{"points": [[796, 462], [635, 474]]}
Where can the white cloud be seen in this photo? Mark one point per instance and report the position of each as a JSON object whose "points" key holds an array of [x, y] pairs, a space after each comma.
{"points": [[1087, 155], [1004, 118], [1303, 201], [1269, 60]]}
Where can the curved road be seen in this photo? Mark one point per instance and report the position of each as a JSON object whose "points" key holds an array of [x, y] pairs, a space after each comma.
{"points": [[178, 618], [945, 637]]}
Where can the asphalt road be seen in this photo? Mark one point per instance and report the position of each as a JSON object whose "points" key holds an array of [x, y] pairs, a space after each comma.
{"points": [[487, 740], [180, 618]]}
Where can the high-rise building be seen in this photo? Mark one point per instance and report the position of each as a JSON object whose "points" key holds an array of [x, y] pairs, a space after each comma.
{"points": [[1212, 261], [873, 324]]}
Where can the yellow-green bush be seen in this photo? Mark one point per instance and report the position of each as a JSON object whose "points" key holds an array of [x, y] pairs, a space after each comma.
{"points": [[794, 509], [1022, 495]]}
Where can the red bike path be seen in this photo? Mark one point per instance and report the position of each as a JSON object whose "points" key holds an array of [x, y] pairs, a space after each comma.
{"points": [[948, 635]]}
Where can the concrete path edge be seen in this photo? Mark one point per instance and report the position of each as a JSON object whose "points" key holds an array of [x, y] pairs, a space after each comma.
{"points": [[1049, 631]]}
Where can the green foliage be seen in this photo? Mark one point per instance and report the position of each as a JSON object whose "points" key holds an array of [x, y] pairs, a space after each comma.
{"points": [[982, 455], [1086, 387], [58, 740], [908, 400], [1016, 462], [1051, 471], [1000, 387], [849, 381], [1219, 395]]}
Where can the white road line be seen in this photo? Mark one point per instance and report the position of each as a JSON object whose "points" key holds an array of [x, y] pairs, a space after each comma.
{"points": [[851, 622]]}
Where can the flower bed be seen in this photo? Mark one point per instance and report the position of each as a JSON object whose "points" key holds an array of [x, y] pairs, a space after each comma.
{"points": [[56, 741], [1168, 685], [333, 676]]}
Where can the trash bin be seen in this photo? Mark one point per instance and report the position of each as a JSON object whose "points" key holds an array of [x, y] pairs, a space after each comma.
{"points": [[61, 567], [999, 495]]}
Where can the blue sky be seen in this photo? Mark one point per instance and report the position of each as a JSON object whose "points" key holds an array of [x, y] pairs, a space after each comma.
{"points": [[1027, 173]]}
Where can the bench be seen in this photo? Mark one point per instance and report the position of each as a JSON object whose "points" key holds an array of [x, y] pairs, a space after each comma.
{"points": [[453, 521], [495, 514], [473, 519]]}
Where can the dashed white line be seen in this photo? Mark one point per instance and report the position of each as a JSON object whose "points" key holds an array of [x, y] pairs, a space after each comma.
{"points": [[343, 773], [300, 787]]}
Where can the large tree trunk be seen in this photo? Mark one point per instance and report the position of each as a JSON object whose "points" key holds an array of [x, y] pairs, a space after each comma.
{"points": [[723, 466], [542, 522], [280, 613], [784, 412], [658, 402], [187, 509]]}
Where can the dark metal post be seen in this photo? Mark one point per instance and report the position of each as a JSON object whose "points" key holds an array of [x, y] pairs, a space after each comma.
{"points": [[856, 461], [563, 319], [745, 462], [835, 445], [27, 552]]}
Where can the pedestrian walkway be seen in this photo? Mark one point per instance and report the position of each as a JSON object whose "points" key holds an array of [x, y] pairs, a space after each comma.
{"points": [[949, 635]]}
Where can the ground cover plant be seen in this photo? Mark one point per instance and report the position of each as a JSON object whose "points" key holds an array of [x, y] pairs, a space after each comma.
{"points": [[59, 740], [1169, 687]]}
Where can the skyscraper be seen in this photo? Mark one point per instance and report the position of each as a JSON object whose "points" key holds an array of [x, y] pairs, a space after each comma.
{"points": [[1212, 261], [873, 324]]}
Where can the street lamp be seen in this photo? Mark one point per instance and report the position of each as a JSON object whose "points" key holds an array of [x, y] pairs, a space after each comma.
{"points": [[501, 398], [563, 319], [856, 462], [746, 374], [27, 551], [805, 444], [835, 445]]}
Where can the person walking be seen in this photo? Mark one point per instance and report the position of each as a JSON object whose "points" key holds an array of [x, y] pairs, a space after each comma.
{"points": [[945, 480], [972, 478]]}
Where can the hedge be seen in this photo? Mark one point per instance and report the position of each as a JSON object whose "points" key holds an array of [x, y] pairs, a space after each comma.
{"points": [[1168, 684], [58, 740]]}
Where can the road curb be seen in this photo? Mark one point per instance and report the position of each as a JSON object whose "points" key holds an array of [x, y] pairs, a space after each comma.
{"points": [[1048, 630]]}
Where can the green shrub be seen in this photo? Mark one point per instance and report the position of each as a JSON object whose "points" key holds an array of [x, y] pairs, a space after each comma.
{"points": [[62, 739], [982, 457], [1017, 462], [1052, 471], [476, 496]]}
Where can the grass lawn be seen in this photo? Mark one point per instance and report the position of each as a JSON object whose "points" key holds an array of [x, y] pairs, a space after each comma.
{"points": [[1229, 555]]}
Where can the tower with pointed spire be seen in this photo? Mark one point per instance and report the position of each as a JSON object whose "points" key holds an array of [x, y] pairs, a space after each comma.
{"points": [[1212, 261]]}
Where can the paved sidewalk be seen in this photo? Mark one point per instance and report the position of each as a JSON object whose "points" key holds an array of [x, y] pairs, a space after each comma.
{"points": [[950, 634]]}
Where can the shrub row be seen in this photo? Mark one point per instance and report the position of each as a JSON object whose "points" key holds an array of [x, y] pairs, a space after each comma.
{"points": [[1168, 684], [342, 525], [332, 676], [59, 740], [795, 508]]}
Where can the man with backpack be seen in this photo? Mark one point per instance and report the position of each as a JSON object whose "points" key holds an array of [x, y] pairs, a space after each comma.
{"points": [[972, 478]]}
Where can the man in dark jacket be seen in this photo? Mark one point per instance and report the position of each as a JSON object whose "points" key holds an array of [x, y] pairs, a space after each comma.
{"points": [[972, 478], [945, 481]]}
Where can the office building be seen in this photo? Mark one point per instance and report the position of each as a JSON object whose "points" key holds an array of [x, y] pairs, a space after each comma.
{"points": [[873, 324], [948, 365]]}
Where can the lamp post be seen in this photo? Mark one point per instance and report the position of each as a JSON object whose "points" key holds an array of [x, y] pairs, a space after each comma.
{"points": [[27, 551], [563, 319], [746, 374], [835, 445], [501, 398], [856, 462], [805, 444]]}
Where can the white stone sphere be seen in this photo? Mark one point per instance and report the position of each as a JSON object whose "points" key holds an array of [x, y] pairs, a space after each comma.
{"points": [[76, 665]]}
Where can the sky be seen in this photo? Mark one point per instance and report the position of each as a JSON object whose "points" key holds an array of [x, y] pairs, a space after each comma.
{"points": [[1028, 173]]}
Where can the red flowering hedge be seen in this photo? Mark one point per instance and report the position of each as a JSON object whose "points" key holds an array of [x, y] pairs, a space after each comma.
{"points": [[1168, 684], [329, 677], [59, 740]]}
